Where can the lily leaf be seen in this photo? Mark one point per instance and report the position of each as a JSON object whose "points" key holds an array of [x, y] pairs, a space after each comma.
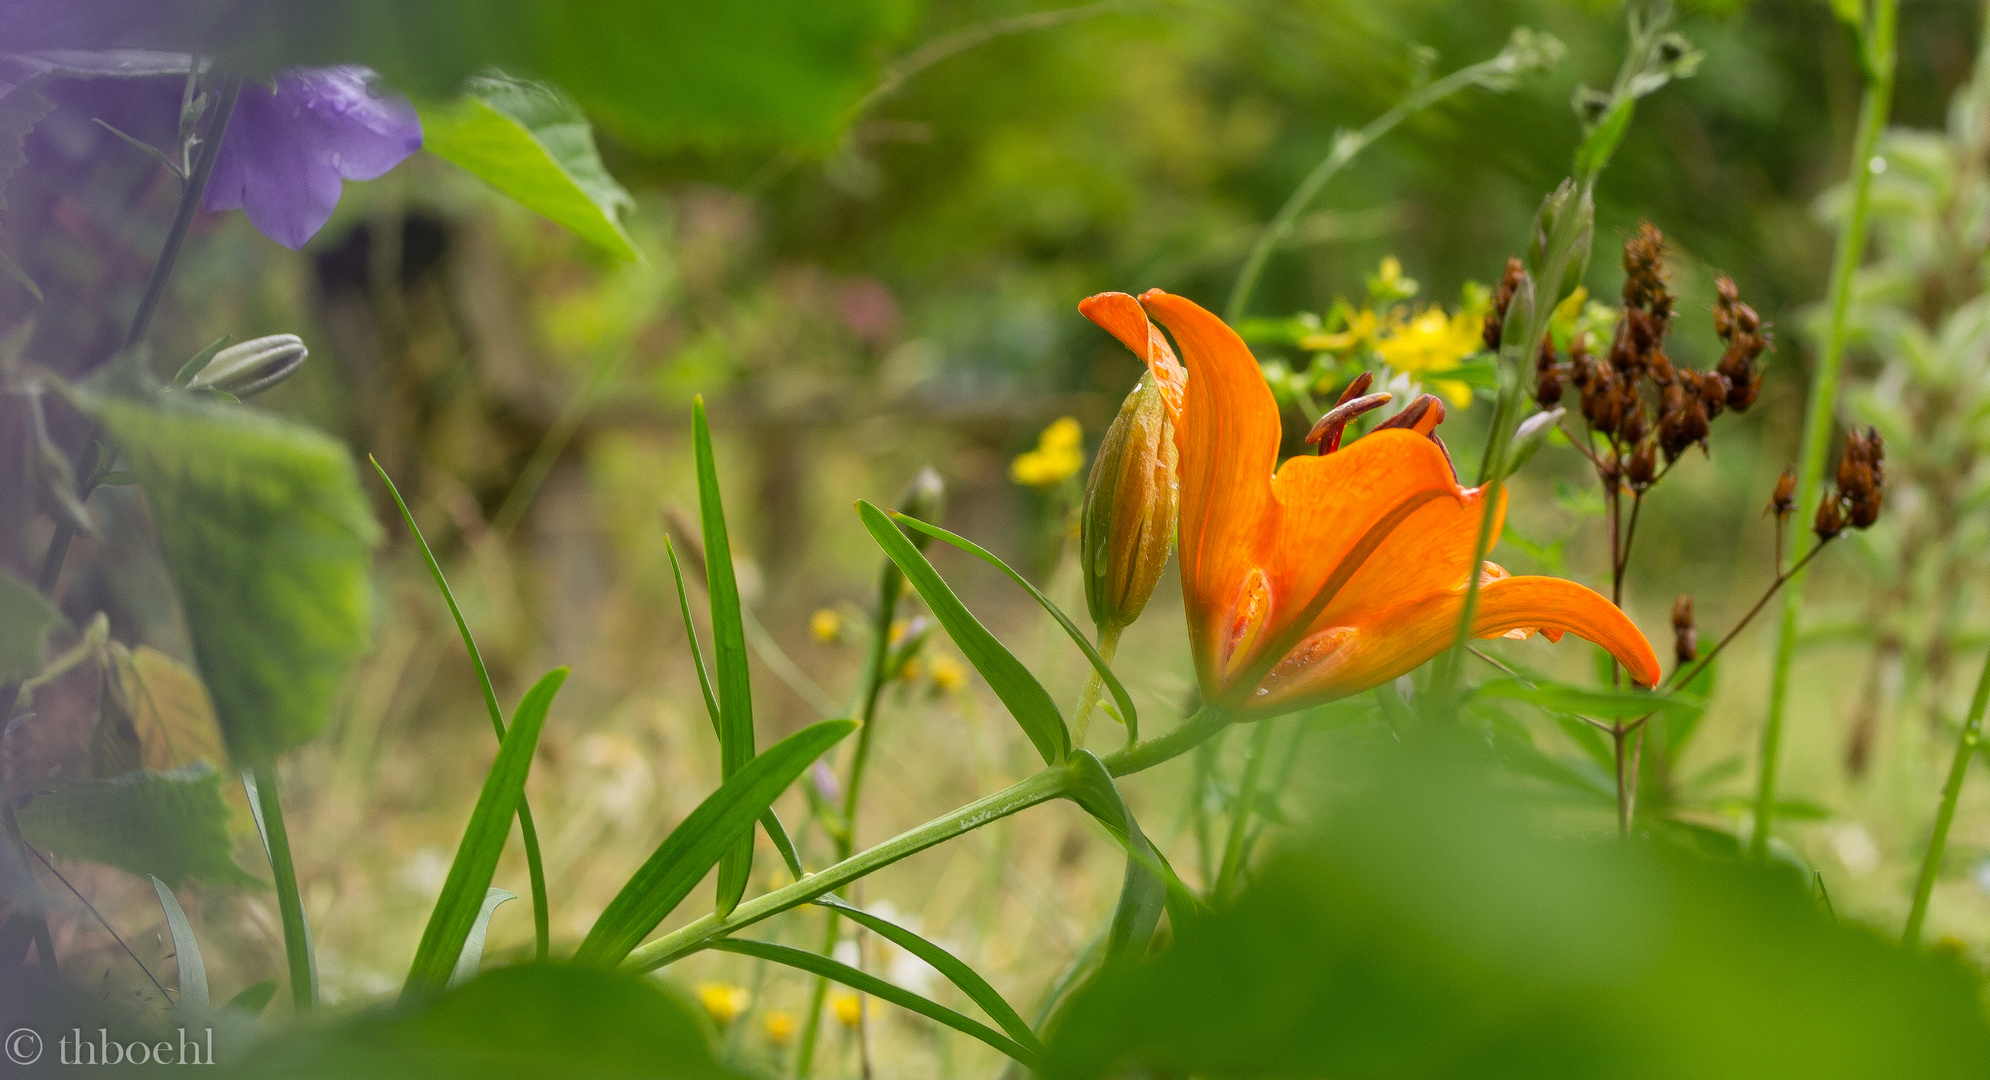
{"points": [[533, 143], [186, 952], [1024, 697], [171, 825], [728, 648], [1150, 884], [473, 946]]}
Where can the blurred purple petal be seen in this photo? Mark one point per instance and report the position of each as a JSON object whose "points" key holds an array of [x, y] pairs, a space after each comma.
{"points": [[286, 153]]}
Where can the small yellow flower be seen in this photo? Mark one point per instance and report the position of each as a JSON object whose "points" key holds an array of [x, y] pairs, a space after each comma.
{"points": [[1059, 454], [1432, 343], [849, 1009], [780, 1028], [723, 1001], [898, 630], [948, 673], [911, 669], [1361, 330], [1388, 285], [825, 625]]}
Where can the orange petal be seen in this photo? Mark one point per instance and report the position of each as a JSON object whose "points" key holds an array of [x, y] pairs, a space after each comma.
{"points": [[1121, 316], [1228, 439], [1398, 642]]}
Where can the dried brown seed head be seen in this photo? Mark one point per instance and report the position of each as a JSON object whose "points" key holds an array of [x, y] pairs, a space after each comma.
{"points": [[1830, 520], [1784, 502], [1685, 639], [1641, 468], [1502, 298]]}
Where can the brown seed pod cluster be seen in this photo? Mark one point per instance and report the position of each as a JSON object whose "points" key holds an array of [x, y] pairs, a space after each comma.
{"points": [[1861, 482], [1685, 638], [1502, 298], [1635, 396]]}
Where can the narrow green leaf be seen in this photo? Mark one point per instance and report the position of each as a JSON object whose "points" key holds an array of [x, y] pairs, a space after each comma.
{"points": [[1586, 701], [1150, 885], [947, 964], [463, 893], [695, 845], [266, 804], [253, 999], [1024, 697], [473, 946], [1602, 140], [200, 360], [728, 649], [26, 619], [186, 952], [150, 151], [1127, 715], [535, 866], [267, 535], [532, 142], [816, 963], [170, 825]]}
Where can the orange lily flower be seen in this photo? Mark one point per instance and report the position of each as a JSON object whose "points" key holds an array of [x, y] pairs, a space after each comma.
{"points": [[1332, 574]]}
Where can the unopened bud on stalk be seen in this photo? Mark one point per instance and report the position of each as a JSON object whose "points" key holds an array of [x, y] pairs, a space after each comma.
{"points": [[1130, 504], [925, 498], [1532, 434], [1784, 502], [252, 367], [1830, 519], [1685, 639]]}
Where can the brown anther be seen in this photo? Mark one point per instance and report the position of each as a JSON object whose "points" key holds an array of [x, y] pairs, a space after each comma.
{"points": [[1784, 502], [1446, 451], [1421, 416], [1327, 433], [1830, 519], [1685, 639], [1357, 388]]}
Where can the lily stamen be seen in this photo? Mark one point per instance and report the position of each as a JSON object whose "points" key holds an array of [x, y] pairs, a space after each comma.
{"points": [[1327, 433]]}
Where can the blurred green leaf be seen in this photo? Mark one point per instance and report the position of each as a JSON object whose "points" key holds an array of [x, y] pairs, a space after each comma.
{"points": [[536, 1021], [186, 952], [472, 956], [1602, 140], [1127, 715], [171, 825], [694, 846], [1025, 698], [533, 143], [252, 999], [25, 622], [948, 965], [266, 533], [465, 892], [817, 964], [1585, 701], [728, 651]]}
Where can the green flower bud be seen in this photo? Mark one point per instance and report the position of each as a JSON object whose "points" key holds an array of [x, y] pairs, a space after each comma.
{"points": [[252, 367], [1130, 506]]}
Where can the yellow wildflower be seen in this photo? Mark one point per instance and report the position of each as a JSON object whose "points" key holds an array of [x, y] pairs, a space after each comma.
{"points": [[896, 634], [1431, 343], [911, 669], [825, 625], [723, 1001], [1059, 454], [1388, 285], [1362, 327], [848, 1008], [780, 1028], [948, 673]]}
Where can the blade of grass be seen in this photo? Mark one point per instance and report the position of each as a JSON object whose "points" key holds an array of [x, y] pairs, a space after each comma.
{"points": [[1150, 884], [252, 1000], [186, 950], [947, 964], [259, 783], [1931, 864], [699, 840], [817, 964], [1019, 690], [769, 821], [728, 651], [472, 956], [535, 866], [1119, 694], [463, 892]]}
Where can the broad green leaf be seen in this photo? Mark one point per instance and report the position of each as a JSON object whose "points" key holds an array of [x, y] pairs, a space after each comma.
{"points": [[1587, 701], [172, 825], [1127, 715], [186, 952], [528, 831], [695, 845], [169, 710], [266, 533], [252, 999], [533, 143], [1024, 697], [728, 649], [769, 821], [465, 891], [948, 965], [26, 620], [539, 1021], [818, 964], [473, 946]]}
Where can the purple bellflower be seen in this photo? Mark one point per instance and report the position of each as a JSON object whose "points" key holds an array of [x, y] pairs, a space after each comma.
{"points": [[287, 153]]}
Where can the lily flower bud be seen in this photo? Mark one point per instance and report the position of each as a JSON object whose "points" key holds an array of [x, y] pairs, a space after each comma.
{"points": [[1130, 504], [252, 367]]}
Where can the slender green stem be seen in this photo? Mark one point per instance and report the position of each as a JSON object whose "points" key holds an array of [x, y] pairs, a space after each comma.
{"points": [[1347, 145], [260, 782], [1877, 41], [1094, 684], [1240, 817], [1047, 784], [1931, 864], [155, 289]]}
